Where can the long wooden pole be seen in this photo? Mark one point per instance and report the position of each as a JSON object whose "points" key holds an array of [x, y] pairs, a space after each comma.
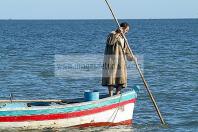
{"points": [[139, 70]]}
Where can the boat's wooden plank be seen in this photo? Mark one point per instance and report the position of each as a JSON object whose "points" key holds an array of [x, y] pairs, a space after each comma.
{"points": [[52, 100], [48, 100]]}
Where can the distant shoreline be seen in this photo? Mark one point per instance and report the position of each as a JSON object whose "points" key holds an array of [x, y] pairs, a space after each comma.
{"points": [[93, 19]]}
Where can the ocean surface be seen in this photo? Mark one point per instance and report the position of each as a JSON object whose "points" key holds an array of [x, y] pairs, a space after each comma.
{"points": [[169, 55]]}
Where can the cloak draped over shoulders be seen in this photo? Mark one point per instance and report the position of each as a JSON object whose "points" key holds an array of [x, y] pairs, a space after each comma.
{"points": [[114, 70]]}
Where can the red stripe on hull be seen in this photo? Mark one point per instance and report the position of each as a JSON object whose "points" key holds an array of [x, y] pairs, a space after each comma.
{"points": [[62, 115], [99, 124]]}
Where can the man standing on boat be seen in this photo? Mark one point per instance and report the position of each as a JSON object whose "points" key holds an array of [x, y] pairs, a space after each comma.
{"points": [[114, 74]]}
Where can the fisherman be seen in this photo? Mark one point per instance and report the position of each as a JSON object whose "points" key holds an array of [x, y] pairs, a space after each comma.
{"points": [[114, 73]]}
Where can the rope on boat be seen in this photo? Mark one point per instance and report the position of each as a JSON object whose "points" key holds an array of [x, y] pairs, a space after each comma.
{"points": [[113, 115]]}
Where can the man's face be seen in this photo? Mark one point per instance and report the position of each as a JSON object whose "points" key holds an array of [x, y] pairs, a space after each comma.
{"points": [[126, 30]]}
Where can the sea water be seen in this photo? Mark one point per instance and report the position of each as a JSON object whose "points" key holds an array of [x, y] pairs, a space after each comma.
{"points": [[169, 58]]}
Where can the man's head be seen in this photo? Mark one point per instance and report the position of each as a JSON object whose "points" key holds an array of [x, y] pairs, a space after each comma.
{"points": [[125, 27]]}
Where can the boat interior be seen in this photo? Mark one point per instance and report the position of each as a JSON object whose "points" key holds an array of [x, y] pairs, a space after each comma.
{"points": [[24, 104]]}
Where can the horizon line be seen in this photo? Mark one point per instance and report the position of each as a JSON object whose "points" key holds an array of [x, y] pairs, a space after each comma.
{"points": [[103, 19]]}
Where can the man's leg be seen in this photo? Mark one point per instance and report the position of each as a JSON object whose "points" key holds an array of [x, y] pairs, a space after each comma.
{"points": [[110, 88], [118, 89]]}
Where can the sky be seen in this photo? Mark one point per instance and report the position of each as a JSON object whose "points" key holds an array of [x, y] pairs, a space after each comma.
{"points": [[97, 9]]}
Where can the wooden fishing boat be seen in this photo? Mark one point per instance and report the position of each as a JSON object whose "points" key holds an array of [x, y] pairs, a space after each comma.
{"points": [[107, 111]]}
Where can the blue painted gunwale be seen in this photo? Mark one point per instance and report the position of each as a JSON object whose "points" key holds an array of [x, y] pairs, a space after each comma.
{"points": [[45, 110]]}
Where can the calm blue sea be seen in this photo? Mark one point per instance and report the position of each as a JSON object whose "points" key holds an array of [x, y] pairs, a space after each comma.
{"points": [[170, 63]]}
